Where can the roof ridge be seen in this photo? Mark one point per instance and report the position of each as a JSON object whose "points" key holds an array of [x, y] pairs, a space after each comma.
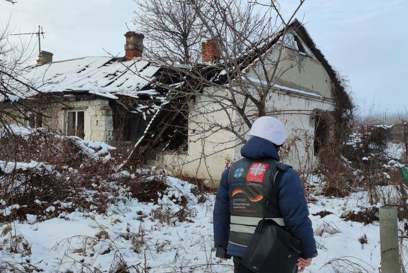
{"points": [[79, 58]]}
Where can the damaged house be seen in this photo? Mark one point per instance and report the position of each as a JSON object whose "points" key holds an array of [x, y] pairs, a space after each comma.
{"points": [[97, 98], [175, 118]]}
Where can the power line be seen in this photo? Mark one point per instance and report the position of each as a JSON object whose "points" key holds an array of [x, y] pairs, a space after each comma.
{"points": [[39, 33]]}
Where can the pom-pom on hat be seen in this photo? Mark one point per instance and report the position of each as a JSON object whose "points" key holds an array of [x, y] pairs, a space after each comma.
{"points": [[269, 128]]}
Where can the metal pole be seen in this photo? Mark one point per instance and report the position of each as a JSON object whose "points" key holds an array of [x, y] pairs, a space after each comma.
{"points": [[405, 133], [390, 258], [39, 40], [38, 33]]}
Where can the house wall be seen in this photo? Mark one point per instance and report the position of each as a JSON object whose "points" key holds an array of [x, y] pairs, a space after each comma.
{"points": [[296, 71], [98, 125], [294, 109], [209, 149], [298, 114], [304, 73], [209, 154]]}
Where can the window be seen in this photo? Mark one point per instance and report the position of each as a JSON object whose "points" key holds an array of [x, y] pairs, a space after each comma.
{"points": [[75, 124], [300, 46], [292, 41], [33, 120]]}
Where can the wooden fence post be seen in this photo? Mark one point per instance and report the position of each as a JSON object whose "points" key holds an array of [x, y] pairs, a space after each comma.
{"points": [[405, 138], [390, 258]]}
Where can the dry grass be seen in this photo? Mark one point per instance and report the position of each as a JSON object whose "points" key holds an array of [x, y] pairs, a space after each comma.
{"points": [[72, 179]]}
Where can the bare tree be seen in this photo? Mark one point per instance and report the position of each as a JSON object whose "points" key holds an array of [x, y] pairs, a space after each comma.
{"points": [[255, 50], [172, 28], [13, 87], [240, 90]]}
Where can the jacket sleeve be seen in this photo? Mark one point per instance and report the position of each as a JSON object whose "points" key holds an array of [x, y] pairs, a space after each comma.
{"points": [[293, 206], [221, 213]]}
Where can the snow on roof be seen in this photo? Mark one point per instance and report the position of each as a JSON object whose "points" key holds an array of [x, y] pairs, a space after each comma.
{"points": [[102, 76], [284, 88]]}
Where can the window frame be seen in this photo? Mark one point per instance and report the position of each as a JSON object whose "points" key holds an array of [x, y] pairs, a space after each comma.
{"points": [[76, 119]]}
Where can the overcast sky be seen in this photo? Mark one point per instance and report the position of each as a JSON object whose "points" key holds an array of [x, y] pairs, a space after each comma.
{"points": [[365, 40]]}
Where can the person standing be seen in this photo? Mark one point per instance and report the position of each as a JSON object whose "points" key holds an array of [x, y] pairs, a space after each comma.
{"points": [[241, 200]]}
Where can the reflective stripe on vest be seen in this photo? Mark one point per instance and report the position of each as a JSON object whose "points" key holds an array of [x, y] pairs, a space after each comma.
{"points": [[249, 182], [252, 221], [242, 228]]}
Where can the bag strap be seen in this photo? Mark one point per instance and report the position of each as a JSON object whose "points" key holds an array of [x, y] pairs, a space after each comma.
{"points": [[271, 192]]}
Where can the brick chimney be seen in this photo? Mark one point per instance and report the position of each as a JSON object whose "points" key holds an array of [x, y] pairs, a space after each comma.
{"points": [[210, 51], [45, 57], [134, 45]]}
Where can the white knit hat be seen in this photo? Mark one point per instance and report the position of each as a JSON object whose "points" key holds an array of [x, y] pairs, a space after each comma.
{"points": [[269, 128]]}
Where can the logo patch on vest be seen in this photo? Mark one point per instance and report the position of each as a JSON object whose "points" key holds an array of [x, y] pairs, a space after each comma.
{"points": [[239, 172], [256, 172]]}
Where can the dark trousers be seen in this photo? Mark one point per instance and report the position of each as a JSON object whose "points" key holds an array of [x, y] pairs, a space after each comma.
{"points": [[239, 268]]}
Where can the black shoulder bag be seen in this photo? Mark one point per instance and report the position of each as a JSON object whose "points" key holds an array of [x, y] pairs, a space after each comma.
{"points": [[272, 248]]}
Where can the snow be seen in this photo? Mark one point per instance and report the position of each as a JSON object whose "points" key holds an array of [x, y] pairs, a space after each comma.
{"points": [[384, 126], [58, 243], [130, 231], [8, 210], [13, 98], [105, 77], [153, 235], [395, 150], [94, 149], [283, 88], [31, 218], [105, 95], [102, 76], [10, 166], [339, 244], [16, 130], [150, 71], [296, 90]]}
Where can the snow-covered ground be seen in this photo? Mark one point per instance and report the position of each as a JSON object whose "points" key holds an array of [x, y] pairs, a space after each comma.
{"points": [[395, 150], [132, 233], [173, 235]]}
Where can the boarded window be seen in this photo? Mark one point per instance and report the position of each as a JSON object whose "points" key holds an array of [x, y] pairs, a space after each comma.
{"points": [[75, 124]]}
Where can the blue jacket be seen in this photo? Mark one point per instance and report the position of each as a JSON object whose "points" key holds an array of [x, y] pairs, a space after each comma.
{"points": [[292, 203]]}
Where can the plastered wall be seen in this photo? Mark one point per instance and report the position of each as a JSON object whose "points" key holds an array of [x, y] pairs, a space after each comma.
{"points": [[98, 124], [209, 149], [295, 110]]}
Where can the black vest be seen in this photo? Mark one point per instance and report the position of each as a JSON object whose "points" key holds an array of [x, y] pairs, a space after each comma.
{"points": [[253, 197]]}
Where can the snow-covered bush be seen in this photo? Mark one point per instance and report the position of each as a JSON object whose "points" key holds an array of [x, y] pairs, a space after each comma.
{"points": [[362, 163], [43, 174], [24, 144]]}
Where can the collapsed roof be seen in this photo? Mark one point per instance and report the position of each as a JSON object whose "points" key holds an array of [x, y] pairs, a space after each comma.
{"points": [[223, 72], [104, 77], [146, 81]]}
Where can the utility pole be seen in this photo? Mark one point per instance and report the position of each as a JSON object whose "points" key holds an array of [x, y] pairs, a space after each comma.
{"points": [[39, 33]]}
